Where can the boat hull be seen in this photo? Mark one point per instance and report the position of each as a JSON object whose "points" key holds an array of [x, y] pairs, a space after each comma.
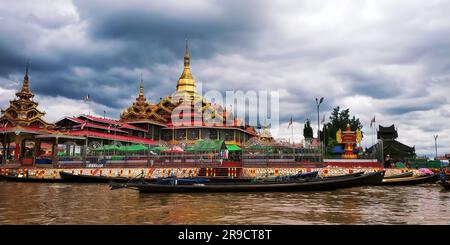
{"points": [[446, 185], [305, 185], [80, 178], [411, 180], [344, 176], [402, 175], [13, 178]]}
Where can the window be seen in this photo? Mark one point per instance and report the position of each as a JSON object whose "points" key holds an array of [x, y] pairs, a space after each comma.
{"points": [[205, 133], [180, 134], [193, 134], [229, 135], [213, 134], [166, 135]]}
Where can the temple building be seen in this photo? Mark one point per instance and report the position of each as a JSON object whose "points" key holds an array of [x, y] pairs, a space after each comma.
{"points": [[192, 110], [393, 150], [182, 118], [27, 139], [20, 122], [23, 111]]}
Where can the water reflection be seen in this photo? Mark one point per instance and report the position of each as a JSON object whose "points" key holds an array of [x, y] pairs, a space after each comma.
{"points": [[34, 203]]}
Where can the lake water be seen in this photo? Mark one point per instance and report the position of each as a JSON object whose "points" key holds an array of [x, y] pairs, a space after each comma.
{"points": [[42, 203]]}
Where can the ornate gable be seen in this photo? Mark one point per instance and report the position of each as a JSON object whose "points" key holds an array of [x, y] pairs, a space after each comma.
{"points": [[140, 108]]}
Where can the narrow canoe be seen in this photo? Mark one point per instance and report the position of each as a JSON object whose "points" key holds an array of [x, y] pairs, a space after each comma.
{"points": [[344, 175], [308, 185], [402, 175], [415, 180], [445, 184], [16, 178], [312, 174], [83, 178]]}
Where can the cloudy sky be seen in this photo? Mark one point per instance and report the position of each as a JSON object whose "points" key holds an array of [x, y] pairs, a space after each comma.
{"points": [[383, 58]]}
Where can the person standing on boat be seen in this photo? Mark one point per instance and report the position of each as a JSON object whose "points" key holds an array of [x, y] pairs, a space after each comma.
{"points": [[442, 176]]}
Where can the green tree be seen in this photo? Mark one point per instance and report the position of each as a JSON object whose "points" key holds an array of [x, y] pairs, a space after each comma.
{"points": [[307, 130], [339, 120]]}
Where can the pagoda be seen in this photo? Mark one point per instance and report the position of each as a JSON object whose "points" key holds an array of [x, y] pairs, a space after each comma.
{"points": [[199, 119], [20, 123], [140, 109], [265, 135], [23, 111]]}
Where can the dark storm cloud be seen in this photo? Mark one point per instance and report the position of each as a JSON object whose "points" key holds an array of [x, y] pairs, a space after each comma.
{"points": [[10, 60], [140, 38], [155, 35], [383, 57]]}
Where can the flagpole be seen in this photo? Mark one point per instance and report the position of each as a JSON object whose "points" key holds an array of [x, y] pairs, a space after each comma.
{"points": [[292, 134], [371, 126]]}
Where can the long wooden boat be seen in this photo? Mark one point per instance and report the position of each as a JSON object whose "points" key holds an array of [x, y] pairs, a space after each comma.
{"points": [[83, 178], [312, 174], [303, 185], [17, 178], [415, 180], [402, 175], [344, 175], [445, 184], [182, 181]]}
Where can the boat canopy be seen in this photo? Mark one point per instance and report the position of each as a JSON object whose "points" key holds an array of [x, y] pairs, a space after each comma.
{"points": [[233, 148], [158, 148], [107, 148], [209, 145], [133, 148]]}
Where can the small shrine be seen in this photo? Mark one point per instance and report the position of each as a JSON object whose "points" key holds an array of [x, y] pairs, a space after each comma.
{"points": [[349, 138]]}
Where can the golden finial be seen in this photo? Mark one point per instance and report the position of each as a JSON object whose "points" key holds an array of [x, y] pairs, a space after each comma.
{"points": [[141, 87], [25, 91], [187, 58], [27, 66]]}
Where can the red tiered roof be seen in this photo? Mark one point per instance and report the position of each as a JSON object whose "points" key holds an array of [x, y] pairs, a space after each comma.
{"points": [[87, 133], [113, 122], [92, 125], [25, 129]]}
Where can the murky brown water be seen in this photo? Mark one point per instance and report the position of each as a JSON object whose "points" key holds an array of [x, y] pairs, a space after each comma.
{"points": [[36, 203]]}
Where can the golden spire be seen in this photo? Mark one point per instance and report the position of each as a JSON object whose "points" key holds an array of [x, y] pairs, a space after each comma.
{"points": [[186, 82], [27, 66], [141, 88], [25, 91], [187, 57]]}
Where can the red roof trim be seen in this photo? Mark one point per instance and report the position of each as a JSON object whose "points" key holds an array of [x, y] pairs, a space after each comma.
{"points": [[88, 133], [25, 128], [91, 125], [103, 120], [112, 121]]}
